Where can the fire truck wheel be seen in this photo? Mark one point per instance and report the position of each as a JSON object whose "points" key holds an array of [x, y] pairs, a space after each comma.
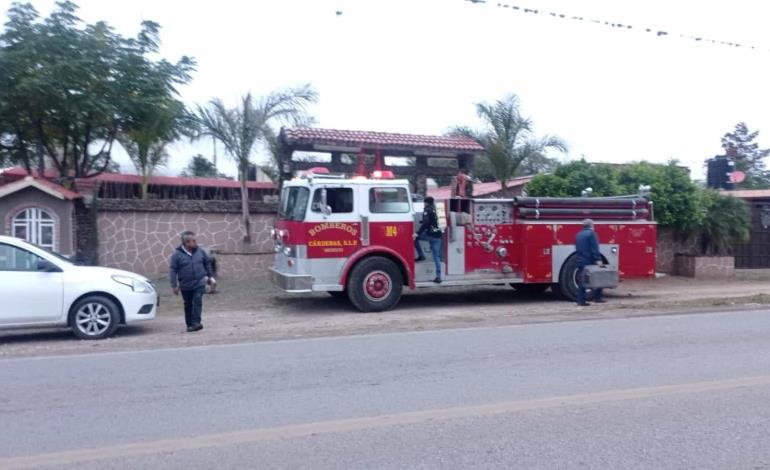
{"points": [[374, 285], [568, 279], [531, 289], [338, 294]]}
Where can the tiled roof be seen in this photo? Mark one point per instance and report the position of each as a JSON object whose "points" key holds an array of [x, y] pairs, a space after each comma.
{"points": [[182, 181], [480, 189], [44, 185], [18, 173], [370, 139], [748, 193]]}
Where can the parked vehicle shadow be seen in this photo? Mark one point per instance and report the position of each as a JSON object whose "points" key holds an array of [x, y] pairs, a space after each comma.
{"points": [[321, 304], [62, 334]]}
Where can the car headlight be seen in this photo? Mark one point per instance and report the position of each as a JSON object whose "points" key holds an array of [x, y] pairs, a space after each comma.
{"points": [[137, 285]]}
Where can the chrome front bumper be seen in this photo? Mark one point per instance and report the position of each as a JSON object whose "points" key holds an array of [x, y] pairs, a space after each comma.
{"points": [[294, 283]]}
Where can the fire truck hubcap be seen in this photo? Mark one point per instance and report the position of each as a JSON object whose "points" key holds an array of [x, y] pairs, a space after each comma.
{"points": [[377, 285]]}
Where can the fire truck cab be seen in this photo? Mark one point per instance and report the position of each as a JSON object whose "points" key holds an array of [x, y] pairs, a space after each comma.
{"points": [[354, 237]]}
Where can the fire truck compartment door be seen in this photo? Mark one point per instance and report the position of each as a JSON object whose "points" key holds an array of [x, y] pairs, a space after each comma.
{"points": [[560, 253], [455, 239]]}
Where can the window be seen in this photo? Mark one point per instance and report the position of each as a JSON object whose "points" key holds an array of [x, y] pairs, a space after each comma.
{"points": [[16, 259], [339, 199], [388, 201], [293, 203], [34, 225]]}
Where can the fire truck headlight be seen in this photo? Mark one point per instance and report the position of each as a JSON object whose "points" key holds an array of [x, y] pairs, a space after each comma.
{"points": [[277, 248], [288, 251]]}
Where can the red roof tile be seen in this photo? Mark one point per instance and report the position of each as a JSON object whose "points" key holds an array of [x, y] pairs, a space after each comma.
{"points": [[18, 173], [382, 139], [41, 184]]}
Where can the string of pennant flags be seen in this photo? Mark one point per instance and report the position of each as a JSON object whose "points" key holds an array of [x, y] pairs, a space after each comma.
{"points": [[617, 25]]}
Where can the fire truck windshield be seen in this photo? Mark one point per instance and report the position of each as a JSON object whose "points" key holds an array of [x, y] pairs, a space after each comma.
{"points": [[294, 201]]}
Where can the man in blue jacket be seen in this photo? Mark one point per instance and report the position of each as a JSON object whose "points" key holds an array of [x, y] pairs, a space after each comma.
{"points": [[189, 272], [587, 247]]}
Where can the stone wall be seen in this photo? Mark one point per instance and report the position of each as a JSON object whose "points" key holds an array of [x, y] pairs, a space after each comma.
{"points": [[705, 267], [668, 246], [140, 236]]}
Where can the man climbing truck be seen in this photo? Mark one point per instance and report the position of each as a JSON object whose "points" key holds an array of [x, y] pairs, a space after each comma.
{"points": [[354, 237]]}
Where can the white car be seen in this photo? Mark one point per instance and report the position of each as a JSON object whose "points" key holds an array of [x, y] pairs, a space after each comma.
{"points": [[42, 289]]}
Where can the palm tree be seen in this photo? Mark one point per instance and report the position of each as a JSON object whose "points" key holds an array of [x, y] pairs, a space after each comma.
{"points": [[145, 139], [508, 138], [242, 128]]}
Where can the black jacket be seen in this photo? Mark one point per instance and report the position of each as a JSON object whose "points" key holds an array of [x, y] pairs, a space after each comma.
{"points": [[429, 223], [587, 247], [189, 272]]}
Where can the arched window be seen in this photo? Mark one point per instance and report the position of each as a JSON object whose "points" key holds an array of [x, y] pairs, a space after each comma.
{"points": [[35, 225]]}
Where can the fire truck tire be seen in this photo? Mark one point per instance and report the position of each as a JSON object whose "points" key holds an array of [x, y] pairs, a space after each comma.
{"points": [[375, 284], [567, 280], [531, 289]]}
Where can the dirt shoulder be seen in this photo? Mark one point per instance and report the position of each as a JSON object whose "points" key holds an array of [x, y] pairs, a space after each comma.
{"points": [[250, 311]]}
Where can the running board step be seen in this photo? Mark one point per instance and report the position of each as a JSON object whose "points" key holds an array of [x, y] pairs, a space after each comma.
{"points": [[468, 282]]}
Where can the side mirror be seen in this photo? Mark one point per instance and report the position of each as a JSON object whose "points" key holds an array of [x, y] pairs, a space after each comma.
{"points": [[47, 267], [328, 211]]}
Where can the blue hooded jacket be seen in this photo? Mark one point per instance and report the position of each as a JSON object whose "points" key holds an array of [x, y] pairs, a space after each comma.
{"points": [[587, 247]]}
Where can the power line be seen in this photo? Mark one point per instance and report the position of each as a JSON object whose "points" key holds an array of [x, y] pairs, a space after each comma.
{"points": [[617, 25]]}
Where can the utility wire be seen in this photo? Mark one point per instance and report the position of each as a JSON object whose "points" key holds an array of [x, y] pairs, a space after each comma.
{"points": [[617, 25]]}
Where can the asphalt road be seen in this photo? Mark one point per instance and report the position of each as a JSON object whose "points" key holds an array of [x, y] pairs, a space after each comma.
{"points": [[690, 391]]}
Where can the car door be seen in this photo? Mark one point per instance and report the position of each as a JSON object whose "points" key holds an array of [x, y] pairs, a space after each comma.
{"points": [[27, 294]]}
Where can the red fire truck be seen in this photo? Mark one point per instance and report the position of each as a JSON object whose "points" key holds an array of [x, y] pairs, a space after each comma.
{"points": [[354, 237]]}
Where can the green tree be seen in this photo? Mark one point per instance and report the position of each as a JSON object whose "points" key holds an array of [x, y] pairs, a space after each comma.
{"points": [[740, 146], [676, 199], [146, 136], [508, 138], [570, 179], [726, 223], [68, 89], [243, 128], [201, 167]]}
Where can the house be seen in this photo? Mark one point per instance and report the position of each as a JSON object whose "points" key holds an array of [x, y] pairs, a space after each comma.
{"points": [[754, 254], [104, 216]]}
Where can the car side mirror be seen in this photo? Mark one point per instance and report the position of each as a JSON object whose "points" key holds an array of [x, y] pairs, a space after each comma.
{"points": [[47, 267], [328, 210]]}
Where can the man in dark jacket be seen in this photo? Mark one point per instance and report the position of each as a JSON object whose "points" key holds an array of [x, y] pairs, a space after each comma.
{"points": [[587, 247], [189, 272], [431, 233]]}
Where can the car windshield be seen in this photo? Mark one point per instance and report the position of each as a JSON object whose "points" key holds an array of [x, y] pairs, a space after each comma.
{"points": [[294, 201]]}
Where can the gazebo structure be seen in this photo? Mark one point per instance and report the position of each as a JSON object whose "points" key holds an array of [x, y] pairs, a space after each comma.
{"points": [[430, 156]]}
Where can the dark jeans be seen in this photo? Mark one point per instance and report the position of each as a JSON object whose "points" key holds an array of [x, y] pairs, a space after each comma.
{"points": [[435, 249], [193, 305], [581, 292]]}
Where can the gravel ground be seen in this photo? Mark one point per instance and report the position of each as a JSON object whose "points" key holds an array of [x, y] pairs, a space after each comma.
{"points": [[247, 311]]}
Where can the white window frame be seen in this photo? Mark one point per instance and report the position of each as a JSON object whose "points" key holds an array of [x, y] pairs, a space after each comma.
{"points": [[31, 219]]}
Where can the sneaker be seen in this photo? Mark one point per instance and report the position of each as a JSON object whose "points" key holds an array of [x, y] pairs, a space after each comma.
{"points": [[420, 258], [584, 304], [189, 329], [437, 280], [197, 327]]}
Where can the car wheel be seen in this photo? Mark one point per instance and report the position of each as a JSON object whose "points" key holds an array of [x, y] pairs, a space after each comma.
{"points": [[94, 317], [568, 279], [375, 285]]}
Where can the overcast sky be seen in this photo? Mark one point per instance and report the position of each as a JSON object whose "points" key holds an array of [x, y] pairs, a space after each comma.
{"points": [[418, 66]]}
